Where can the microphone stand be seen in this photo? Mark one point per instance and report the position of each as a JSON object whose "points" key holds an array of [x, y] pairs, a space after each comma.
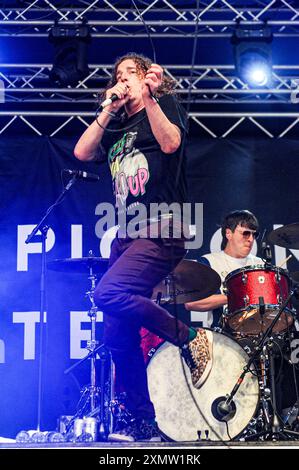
{"points": [[43, 228], [227, 409]]}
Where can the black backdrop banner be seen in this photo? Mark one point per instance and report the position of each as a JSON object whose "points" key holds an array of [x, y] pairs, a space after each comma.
{"points": [[224, 175]]}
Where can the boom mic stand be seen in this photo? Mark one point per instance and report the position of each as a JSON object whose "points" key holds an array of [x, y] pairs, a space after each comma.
{"points": [[226, 408], [43, 228]]}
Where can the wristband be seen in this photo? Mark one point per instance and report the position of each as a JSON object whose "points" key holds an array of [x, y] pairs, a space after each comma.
{"points": [[112, 115]]}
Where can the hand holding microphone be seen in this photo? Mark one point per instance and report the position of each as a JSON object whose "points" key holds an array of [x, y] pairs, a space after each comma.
{"points": [[117, 97]]}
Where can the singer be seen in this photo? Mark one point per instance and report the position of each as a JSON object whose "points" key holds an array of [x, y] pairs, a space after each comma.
{"points": [[147, 165]]}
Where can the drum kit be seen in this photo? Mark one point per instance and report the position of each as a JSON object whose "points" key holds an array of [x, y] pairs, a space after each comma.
{"points": [[239, 399]]}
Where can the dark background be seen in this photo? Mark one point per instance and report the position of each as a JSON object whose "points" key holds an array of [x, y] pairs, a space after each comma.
{"points": [[260, 175], [245, 171]]}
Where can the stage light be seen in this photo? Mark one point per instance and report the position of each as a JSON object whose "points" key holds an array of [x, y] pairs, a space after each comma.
{"points": [[255, 71], [70, 63], [258, 74], [253, 54]]}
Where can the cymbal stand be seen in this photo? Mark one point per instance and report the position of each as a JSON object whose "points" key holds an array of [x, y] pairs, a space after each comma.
{"points": [[167, 298], [265, 392], [92, 343], [105, 422], [94, 351], [275, 419]]}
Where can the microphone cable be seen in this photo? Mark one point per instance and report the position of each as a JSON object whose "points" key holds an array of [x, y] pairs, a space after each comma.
{"points": [[183, 144], [127, 128], [147, 31], [180, 162]]}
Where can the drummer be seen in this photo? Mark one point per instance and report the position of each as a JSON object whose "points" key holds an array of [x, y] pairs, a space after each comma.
{"points": [[239, 229]]}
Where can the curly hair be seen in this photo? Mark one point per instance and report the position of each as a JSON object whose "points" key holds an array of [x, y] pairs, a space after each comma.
{"points": [[142, 63]]}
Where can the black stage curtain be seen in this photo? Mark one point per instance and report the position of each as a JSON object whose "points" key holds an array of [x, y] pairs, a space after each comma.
{"points": [[224, 175]]}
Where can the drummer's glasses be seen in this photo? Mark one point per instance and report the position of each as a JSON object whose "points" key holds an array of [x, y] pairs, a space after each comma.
{"points": [[247, 233]]}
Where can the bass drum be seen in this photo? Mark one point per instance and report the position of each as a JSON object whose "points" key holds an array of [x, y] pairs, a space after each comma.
{"points": [[185, 414]]}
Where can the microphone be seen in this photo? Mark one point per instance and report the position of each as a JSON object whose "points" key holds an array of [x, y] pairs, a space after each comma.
{"points": [[223, 409], [83, 175], [108, 101], [261, 306], [114, 97], [266, 253]]}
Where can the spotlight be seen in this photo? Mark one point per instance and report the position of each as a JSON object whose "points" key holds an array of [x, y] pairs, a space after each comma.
{"points": [[70, 63], [253, 54]]}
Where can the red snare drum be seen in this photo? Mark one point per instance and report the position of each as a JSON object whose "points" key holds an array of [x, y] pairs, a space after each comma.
{"points": [[244, 287]]}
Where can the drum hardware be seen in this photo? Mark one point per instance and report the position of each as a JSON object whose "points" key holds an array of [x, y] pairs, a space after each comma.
{"points": [[91, 265], [292, 414], [266, 251], [262, 309], [218, 329], [246, 300], [265, 391], [105, 422], [119, 412], [263, 352], [93, 343], [206, 436]]}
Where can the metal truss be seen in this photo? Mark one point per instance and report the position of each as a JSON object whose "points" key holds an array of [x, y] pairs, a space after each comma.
{"points": [[208, 84], [54, 123], [210, 92], [167, 18]]}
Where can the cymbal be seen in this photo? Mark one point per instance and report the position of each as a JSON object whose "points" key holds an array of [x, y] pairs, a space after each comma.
{"points": [[193, 281], [295, 277], [286, 236], [80, 265]]}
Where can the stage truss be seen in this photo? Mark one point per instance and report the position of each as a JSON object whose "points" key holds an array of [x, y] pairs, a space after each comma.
{"points": [[210, 92], [163, 17]]}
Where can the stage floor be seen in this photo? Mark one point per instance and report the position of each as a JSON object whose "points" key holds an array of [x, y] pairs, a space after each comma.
{"points": [[153, 445]]}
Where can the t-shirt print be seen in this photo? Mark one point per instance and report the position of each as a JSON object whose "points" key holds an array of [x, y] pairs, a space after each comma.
{"points": [[129, 169]]}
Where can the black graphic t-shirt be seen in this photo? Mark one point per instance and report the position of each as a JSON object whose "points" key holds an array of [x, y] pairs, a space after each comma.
{"points": [[141, 172]]}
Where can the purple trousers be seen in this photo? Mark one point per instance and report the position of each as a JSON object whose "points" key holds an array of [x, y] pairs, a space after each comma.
{"points": [[124, 295]]}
